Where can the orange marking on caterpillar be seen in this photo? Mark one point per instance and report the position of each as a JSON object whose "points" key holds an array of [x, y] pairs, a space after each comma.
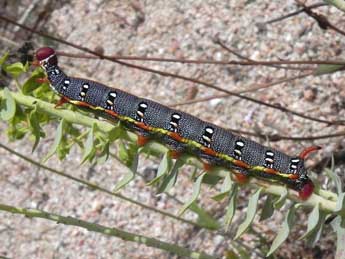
{"points": [[83, 104], [308, 150], [209, 151], [270, 171], [112, 113], [293, 176], [241, 164], [143, 126], [175, 136]]}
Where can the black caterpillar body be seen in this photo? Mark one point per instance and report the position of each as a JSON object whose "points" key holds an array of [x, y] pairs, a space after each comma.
{"points": [[182, 132]]}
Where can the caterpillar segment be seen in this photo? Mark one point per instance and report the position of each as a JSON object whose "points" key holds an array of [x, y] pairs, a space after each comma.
{"points": [[180, 131]]}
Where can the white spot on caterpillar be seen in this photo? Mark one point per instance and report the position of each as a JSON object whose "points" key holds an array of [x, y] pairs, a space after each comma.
{"points": [[173, 124], [86, 86], [110, 102], [207, 139], [66, 81], [143, 105], [293, 167], [295, 160], [240, 143], [238, 152], [209, 130], [113, 94], [140, 114], [269, 153], [57, 71], [176, 116], [82, 93], [269, 160]]}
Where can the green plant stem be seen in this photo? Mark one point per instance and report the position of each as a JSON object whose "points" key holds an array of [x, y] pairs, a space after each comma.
{"points": [[97, 187], [148, 241], [326, 199]]}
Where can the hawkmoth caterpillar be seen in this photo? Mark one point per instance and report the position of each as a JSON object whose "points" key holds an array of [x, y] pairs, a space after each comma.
{"points": [[180, 131]]}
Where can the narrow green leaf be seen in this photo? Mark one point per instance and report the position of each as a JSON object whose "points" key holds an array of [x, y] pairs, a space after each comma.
{"points": [[326, 69], [340, 206], [164, 168], [170, 179], [127, 152], [115, 133], [211, 179], [104, 155], [4, 58], [231, 209], [283, 231], [35, 127], [31, 84], [196, 192], [268, 209], [8, 106], [242, 251], [204, 219], [340, 231], [251, 211], [281, 201], [334, 177], [226, 188], [313, 221], [123, 154], [89, 150], [129, 176], [316, 234], [15, 69], [57, 141]]}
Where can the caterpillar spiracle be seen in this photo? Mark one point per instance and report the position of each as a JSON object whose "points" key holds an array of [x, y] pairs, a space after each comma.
{"points": [[180, 131]]}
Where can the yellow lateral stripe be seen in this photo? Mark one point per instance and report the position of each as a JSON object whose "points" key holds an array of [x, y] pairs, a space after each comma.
{"points": [[184, 140]]}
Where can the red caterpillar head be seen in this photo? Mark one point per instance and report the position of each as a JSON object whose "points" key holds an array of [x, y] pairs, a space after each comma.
{"points": [[46, 57]]}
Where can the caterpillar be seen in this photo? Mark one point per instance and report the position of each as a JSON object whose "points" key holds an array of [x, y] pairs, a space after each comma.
{"points": [[180, 131]]}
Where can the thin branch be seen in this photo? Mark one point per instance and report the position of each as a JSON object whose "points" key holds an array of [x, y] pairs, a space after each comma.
{"points": [[167, 74], [251, 88], [295, 13], [188, 61], [322, 20], [219, 42], [233, 62], [109, 231], [183, 61], [97, 187]]}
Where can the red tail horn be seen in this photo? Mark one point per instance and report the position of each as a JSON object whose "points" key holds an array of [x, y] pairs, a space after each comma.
{"points": [[308, 150]]}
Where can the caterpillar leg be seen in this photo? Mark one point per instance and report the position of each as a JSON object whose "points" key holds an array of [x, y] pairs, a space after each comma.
{"points": [[61, 102], [42, 80], [241, 176], [142, 140], [175, 154], [207, 166]]}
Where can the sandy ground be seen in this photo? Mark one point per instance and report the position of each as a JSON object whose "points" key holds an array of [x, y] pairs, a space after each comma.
{"points": [[170, 29]]}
